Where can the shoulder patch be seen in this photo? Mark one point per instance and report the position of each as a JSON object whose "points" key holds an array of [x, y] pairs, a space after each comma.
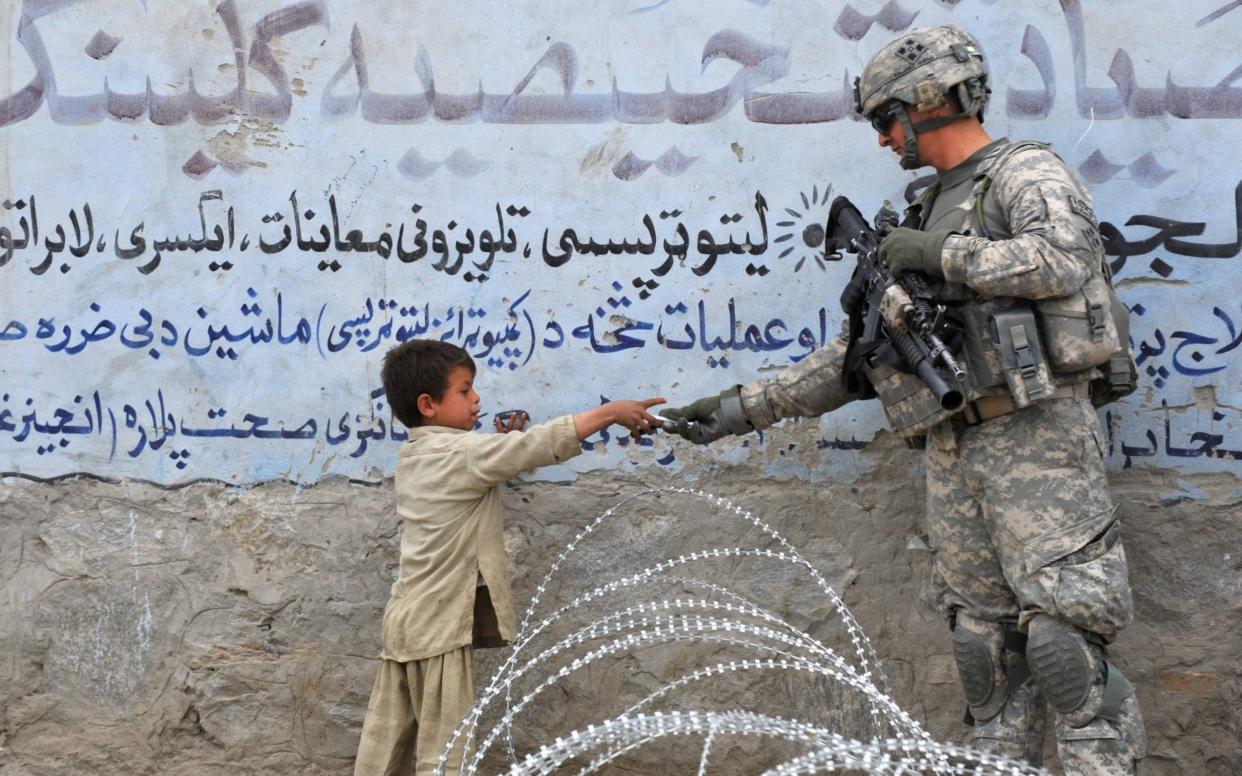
{"points": [[1081, 208]]}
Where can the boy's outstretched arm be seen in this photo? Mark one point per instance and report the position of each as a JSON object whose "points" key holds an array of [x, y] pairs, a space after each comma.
{"points": [[494, 458], [631, 414]]}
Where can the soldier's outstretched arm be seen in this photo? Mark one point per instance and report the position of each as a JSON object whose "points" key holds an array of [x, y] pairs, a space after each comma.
{"points": [[810, 387]]}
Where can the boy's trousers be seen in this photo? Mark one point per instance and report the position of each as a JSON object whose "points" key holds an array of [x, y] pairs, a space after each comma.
{"points": [[413, 710]]}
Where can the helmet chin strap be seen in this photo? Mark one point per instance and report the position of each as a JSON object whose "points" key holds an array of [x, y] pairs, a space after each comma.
{"points": [[939, 121], [910, 148]]}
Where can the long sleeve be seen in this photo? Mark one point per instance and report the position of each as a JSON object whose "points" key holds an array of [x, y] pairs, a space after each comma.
{"points": [[495, 458], [810, 387], [448, 497], [1054, 237]]}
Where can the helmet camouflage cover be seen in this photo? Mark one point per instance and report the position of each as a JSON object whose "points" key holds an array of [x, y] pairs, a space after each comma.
{"points": [[921, 68]]}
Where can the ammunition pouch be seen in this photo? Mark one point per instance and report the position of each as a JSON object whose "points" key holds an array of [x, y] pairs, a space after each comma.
{"points": [[1089, 329], [1118, 379], [1079, 329], [909, 405], [1017, 339]]}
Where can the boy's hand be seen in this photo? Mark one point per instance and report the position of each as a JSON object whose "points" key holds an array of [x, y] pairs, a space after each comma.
{"points": [[511, 420], [634, 416], [631, 414]]}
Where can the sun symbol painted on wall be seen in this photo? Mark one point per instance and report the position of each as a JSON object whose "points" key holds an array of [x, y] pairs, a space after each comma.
{"points": [[806, 230]]}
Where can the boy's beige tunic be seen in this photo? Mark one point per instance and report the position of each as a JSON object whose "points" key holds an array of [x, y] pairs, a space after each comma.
{"points": [[448, 499]]}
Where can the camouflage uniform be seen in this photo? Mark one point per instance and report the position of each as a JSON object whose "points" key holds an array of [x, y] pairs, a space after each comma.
{"points": [[1029, 565]]}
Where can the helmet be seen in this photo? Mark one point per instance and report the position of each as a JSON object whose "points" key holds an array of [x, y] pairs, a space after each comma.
{"points": [[920, 69]]}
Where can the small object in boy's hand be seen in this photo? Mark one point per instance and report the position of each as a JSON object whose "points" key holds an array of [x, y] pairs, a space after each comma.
{"points": [[669, 421], [511, 420]]}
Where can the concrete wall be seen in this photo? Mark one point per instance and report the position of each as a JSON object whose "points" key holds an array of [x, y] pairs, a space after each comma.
{"points": [[218, 216]]}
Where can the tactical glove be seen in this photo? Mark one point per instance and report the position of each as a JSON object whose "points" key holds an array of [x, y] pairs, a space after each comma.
{"points": [[909, 250], [709, 418]]}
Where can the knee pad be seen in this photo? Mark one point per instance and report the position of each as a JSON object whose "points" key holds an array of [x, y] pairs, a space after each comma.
{"points": [[1065, 665], [1073, 673], [987, 679]]}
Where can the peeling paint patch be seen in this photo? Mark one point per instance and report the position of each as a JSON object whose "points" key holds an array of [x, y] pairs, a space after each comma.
{"points": [[601, 156], [1187, 492], [232, 149]]}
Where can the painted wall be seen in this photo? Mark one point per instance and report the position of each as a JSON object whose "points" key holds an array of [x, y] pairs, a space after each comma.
{"points": [[215, 217], [218, 216]]}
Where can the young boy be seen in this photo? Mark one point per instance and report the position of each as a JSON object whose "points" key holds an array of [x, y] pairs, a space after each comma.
{"points": [[453, 591]]}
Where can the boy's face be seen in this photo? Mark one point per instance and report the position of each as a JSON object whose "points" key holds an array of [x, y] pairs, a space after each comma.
{"points": [[458, 407]]}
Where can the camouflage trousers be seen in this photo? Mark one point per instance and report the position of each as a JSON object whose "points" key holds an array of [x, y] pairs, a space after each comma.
{"points": [[1022, 523]]}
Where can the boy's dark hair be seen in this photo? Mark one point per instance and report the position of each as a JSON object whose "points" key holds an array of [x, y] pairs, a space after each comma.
{"points": [[416, 367]]}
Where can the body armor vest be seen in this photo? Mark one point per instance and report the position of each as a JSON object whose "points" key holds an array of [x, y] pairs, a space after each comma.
{"points": [[1025, 349]]}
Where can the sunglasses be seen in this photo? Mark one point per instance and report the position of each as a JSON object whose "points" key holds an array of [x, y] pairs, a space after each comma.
{"points": [[883, 118]]}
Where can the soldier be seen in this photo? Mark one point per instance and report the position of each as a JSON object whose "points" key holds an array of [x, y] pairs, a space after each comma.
{"points": [[1029, 567]]}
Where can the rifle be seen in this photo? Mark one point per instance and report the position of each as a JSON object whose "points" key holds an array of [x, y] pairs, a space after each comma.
{"points": [[913, 340]]}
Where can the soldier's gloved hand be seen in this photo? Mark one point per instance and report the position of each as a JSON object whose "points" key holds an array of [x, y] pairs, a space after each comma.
{"points": [[909, 250], [709, 418]]}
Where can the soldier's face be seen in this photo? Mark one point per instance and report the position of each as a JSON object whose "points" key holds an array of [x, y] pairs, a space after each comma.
{"points": [[894, 137]]}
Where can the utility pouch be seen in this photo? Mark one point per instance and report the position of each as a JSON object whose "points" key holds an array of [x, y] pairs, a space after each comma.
{"points": [[1119, 375], [1119, 379], [909, 404], [1022, 357], [978, 348], [1080, 330]]}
